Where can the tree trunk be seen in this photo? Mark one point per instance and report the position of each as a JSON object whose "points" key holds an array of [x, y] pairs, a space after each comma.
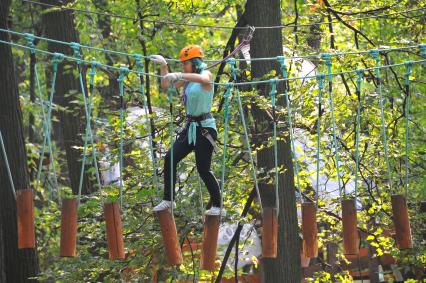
{"points": [[286, 267], [2, 259], [104, 24], [59, 25], [16, 265], [373, 265]]}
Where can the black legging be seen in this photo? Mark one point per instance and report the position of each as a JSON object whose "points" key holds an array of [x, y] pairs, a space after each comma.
{"points": [[203, 158]]}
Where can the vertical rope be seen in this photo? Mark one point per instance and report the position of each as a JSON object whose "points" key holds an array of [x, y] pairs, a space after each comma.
{"points": [[327, 59], [360, 73], [30, 43], [141, 68], [92, 74], [228, 93], [375, 55], [87, 109], [273, 94], [407, 117], [58, 57], [320, 79], [281, 60], [89, 134], [422, 51], [171, 91], [12, 185], [123, 73], [234, 70]]}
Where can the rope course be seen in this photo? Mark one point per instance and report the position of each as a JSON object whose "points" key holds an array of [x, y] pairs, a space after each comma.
{"points": [[232, 90]]}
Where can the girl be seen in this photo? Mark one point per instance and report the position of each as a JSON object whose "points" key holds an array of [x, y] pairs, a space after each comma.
{"points": [[200, 130]]}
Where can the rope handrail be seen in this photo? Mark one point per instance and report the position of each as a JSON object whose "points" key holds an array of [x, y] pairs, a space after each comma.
{"points": [[115, 68], [309, 56]]}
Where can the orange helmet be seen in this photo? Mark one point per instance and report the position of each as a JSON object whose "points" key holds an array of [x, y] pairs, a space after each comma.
{"points": [[190, 51]]}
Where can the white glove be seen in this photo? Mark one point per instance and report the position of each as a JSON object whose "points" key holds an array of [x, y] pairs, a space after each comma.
{"points": [[158, 59], [173, 77]]}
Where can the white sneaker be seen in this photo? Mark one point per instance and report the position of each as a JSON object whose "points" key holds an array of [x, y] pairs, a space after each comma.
{"points": [[164, 204], [216, 211]]}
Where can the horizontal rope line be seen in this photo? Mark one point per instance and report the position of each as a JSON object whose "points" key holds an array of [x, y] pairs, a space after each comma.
{"points": [[213, 83], [317, 56]]}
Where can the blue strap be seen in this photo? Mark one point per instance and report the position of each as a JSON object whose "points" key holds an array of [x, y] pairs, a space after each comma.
{"points": [[192, 132]]}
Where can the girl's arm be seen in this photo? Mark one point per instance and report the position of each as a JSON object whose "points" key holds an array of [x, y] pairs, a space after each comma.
{"points": [[204, 78]]}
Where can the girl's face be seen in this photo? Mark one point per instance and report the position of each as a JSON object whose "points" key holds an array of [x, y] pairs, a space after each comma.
{"points": [[186, 66]]}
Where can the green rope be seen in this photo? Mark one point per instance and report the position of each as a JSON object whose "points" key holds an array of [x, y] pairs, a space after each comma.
{"points": [[171, 91], [327, 59], [30, 43], [87, 109], [360, 73], [46, 123], [89, 134], [234, 71], [9, 173], [108, 51], [407, 113], [55, 61], [273, 94], [375, 55], [141, 68], [228, 93], [123, 73], [422, 48], [320, 92], [115, 68], [281, 60]]}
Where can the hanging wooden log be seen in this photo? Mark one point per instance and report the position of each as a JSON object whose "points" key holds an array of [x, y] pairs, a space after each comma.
{"points": [[25, 215], [170, 238], [269, 232], [401, 222], [114, 231], [350, 230], [309, 229], [210, 235], [68, 228], [304, 260]]}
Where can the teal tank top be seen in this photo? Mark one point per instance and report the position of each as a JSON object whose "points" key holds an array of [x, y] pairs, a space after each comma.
{"points": [[198, 101]]}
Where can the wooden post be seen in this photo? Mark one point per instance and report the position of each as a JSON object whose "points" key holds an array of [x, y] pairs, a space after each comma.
{"points": [[350, 230], [402, 222], [269, 232], [25, 211], [114, 231], [309, 229], [170, 238], [68, 228], [208, 250]]}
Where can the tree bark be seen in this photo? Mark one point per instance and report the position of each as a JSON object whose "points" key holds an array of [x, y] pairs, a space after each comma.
{"points": [[59, 25], [16, 265], [286, 267], [2, 258]]}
